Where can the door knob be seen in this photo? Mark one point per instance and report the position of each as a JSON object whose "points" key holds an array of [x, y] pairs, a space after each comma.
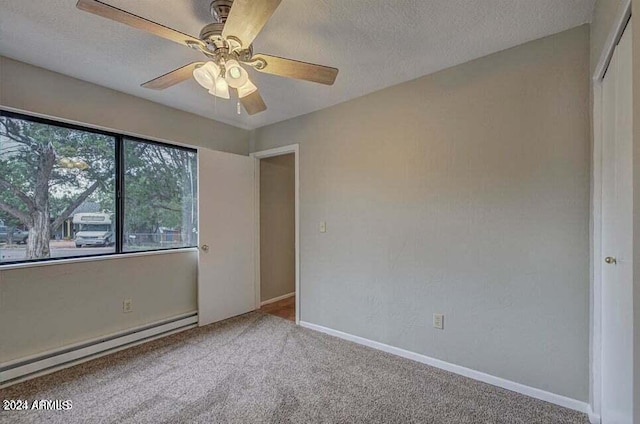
{"points": [[610, 260], [205, 247]]}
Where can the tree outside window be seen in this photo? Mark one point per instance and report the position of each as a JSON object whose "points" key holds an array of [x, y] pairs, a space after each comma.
{"points": [[58, 188]]}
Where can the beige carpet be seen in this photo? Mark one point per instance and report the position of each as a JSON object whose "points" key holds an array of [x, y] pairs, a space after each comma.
{"points": [[258, 368]]}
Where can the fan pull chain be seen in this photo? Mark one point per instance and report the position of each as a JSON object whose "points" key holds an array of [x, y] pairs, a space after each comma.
{"points": [[239, 110]]}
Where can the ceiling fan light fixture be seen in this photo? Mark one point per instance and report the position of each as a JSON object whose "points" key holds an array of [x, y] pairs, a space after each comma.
{"points": [[225, 42], [203, 77], [236, 75], [235, 72], [220, 89], [246, 89], [207, 74]]}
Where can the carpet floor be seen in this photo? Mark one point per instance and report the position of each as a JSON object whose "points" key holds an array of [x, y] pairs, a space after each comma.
{"points": [[258, 368]]}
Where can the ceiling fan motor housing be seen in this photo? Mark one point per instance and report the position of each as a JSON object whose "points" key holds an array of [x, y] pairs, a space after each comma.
{"points": [[220, 10], [212, 33]]}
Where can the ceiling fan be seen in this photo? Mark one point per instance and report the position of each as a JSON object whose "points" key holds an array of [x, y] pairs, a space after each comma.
{"points": [[227, 44]]}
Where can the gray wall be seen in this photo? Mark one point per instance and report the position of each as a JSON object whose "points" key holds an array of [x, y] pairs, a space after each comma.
{"points": [[38, 90], [465, 192], [46, 307], [277, 226], [51, 306]]}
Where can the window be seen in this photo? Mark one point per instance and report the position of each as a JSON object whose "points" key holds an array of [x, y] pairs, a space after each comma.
{"points": [[49, 174], [160, 196], [58, 186]]}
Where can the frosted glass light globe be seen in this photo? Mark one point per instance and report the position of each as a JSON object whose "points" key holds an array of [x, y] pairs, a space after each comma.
{"points": [[236, 75]]}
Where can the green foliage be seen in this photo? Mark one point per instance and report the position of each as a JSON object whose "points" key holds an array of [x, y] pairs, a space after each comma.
{"points": [[159, 187], [23, 150], [53, 170], [25, 142]]}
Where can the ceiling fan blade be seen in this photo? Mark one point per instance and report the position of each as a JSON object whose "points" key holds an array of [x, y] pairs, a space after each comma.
{"points": [[246, 19], [172, 78], [106, 11], [294, 69], [253, 103]]}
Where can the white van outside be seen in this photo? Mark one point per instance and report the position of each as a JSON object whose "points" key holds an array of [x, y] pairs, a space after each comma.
{"points": [[93, 229]]}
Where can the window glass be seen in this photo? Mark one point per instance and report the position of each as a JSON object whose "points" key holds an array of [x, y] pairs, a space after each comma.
{"points": [[57, 191], [160, 196], [58, 186]]}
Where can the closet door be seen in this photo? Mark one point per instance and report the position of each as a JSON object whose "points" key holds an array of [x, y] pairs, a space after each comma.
{"points": [[617, 238]]}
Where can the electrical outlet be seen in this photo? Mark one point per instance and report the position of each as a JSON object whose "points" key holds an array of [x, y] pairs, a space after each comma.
{"points": [[323, 227], [438, 321], [127, 305]]}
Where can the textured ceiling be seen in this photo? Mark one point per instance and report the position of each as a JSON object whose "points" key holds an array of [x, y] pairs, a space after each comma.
{"points": [[374, 43]]}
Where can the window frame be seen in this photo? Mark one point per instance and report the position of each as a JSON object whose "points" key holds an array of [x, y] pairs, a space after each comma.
{"points": [[119, 183]]}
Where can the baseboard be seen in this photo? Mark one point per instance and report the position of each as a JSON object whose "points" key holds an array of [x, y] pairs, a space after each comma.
{"points": [[593, 417], [23, 369], [277, 299], [457, 369]]}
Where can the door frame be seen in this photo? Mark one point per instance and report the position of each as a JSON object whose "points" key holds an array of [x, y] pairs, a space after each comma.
{"points": [[595, 371], [279, 151]]}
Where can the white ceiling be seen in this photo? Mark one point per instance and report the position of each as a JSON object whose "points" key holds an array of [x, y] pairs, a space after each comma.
{"points": [[374, 43]]}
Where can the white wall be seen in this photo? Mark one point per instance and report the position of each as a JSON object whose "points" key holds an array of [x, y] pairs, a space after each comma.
{"points": [[466, 193], [46, 307], [277, 226]]}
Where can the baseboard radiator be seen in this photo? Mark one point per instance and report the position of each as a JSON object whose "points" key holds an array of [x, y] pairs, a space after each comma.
{"points": [[46, 362]]}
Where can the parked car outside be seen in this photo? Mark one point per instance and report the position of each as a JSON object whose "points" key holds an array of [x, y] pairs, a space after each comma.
{"points": [[19, 236]]}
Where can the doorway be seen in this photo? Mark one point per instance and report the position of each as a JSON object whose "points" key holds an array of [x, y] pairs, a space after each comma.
{"points": [[613, 243], [277, 234]]}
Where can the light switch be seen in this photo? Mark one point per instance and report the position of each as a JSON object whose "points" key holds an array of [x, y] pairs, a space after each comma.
{"points": [[438, 321], [127, 305], [323, 227]]}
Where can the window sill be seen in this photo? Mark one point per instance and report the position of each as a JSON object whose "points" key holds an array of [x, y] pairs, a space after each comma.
{"points": [[106, 257]]}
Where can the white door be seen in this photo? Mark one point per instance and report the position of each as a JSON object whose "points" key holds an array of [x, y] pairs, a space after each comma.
{"points": [[226, 234], [617, 243]]}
